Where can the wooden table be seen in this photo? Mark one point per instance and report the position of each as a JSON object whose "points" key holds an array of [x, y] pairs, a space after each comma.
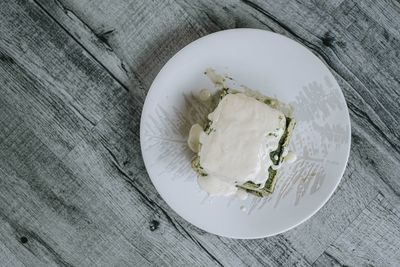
{"points": [[73, 78]]}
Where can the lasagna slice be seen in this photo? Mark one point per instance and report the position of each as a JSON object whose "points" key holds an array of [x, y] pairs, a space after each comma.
{"points": [[243, 145]]}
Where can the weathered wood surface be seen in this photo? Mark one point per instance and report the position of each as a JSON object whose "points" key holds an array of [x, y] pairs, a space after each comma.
{"points": [[73, 78]]}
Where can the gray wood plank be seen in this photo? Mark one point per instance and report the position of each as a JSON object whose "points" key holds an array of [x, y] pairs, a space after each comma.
{"points": [[11, 232], [372, 240], [58, 89], [7, 258], [95, 41], [65, 223]]}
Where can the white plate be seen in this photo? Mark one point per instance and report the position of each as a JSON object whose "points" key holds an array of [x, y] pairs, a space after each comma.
{"points": [[275, 66]]}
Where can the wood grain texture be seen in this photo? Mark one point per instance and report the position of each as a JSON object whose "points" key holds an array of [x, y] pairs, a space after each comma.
{"points": [[37, 59], [73, 77], [371, 240]]}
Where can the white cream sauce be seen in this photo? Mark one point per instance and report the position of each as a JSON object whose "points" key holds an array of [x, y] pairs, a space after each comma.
{"points": [[215, 78], [237, 150], [290, 157], [216, 187], [204, 95], [194, 136]]}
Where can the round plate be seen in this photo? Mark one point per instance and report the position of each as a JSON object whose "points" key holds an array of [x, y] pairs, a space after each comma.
{"points": [[275, 66]]}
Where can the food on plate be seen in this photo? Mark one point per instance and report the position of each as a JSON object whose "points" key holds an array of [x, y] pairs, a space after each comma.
{"points": [[243, 145]]}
